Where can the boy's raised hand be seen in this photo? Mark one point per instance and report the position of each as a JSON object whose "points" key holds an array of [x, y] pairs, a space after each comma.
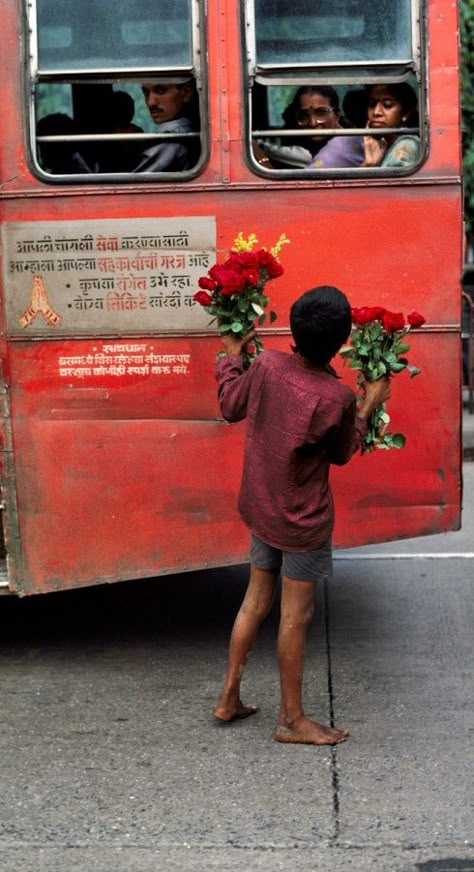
{"points": [[375, 393], [234, 344]]}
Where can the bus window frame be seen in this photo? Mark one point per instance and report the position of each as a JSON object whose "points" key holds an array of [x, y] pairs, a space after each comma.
{"points": [[197, 71], [335, 73]]}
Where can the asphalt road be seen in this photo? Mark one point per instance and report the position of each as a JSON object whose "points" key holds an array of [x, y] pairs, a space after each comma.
{"points": [[110, 759]]}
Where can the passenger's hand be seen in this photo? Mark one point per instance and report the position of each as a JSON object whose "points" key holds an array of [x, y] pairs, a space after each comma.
{"points": [[375, 393], [375, 149], [235, 344]]}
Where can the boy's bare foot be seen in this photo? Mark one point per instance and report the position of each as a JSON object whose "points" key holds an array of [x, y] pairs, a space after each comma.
{"points": [[234, 712], [309, 732]]}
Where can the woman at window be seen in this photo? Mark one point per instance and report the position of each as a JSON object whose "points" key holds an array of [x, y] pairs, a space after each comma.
{"points": [[314, 108], [393, 105]]}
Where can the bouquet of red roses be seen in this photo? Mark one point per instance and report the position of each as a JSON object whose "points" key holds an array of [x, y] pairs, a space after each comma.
{"points": [[377, 349], [233, 292]]}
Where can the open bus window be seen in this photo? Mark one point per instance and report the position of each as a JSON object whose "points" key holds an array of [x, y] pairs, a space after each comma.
{"points": [[109, 96], [333, 88]]}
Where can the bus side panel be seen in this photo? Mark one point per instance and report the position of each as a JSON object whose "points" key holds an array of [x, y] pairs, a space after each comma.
{"points": [[386, 495], [135, 477], [105, 495], [120, 481]]}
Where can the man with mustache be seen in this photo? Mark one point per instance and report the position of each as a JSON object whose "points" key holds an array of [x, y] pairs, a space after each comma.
{"points": [[169, 107]]}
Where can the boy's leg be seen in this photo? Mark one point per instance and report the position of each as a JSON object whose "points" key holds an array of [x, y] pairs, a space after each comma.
{"points": [[255, 607], [297, 604]]}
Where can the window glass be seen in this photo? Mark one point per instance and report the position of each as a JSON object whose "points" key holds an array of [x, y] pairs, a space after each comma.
{"points": [[53, 97], [312, 31], [322, 128], [117, 88], [119, 127], [334, 88], [75, 35]]}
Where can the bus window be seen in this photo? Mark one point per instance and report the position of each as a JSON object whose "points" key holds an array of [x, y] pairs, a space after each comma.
{"points": [[117, 90], [319, 75], [343, 30]]}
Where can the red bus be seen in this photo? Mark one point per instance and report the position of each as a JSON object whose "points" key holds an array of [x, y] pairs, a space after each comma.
{"points": [[115, 462]]}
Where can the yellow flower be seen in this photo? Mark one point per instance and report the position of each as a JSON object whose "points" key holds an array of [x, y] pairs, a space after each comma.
{"points": [[242, 244], [283, 240]]}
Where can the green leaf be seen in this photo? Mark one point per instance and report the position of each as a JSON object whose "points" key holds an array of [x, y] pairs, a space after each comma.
{"points": [[355, 364], [398, 440], [262, 320], [413, 370], [258, 309], [400, 348], [273, 317], [221, 312], [237, 327], [375, 330], [224, 328]]}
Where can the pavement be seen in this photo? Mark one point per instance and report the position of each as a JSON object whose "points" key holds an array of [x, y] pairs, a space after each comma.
{"points": [[468, 433]]}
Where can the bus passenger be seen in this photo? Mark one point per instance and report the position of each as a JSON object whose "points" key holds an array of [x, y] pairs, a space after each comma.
{"points": [[316, 108], [170, 106], [354, 107], [60, 158], [301, 419], [121, 111], [120, 156], [392, 105]]}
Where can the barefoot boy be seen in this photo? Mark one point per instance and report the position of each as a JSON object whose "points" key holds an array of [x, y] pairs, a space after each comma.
{"points": [[300, 419]]}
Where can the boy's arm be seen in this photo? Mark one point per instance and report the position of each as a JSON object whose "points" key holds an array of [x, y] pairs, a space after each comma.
{"points": [[349, 435], [346, 439], [233, 382]]}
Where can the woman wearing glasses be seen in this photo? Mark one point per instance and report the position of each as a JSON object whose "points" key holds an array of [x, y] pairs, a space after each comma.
{"points": [[314, 108], [391, 106]]}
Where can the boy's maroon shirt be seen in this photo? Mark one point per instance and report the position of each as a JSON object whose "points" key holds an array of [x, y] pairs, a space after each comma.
{"points": [[300, 419]]}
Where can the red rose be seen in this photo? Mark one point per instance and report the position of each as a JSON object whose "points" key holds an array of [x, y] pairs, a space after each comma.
{"points": [[269, 263], [362, 315], [248, 259], [207, 284], [252, 276], [203, 298], [393, 321], [232, 282], [218, 271], [415, 319], [234, 262], [275, 271], [377, 313]]}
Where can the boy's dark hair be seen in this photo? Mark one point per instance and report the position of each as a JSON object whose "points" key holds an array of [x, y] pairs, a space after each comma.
{"points": [[320, 322]]}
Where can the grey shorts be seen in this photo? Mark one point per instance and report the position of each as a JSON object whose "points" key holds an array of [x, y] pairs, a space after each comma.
{"points": [[300, 565]]}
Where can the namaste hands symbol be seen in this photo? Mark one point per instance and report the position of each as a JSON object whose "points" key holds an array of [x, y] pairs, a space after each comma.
{"points": [[39, 303]]}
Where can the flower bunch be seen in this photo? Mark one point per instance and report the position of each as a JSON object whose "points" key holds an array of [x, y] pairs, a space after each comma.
{"points": [[377, 350], [233, 292]]}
